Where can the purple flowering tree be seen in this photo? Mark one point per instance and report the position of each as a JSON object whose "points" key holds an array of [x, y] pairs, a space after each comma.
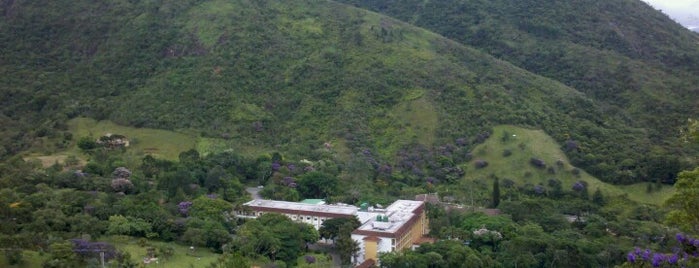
{"points": [[88, 250], [122, 185], [276, 166], [685, 255], [183, 208]]}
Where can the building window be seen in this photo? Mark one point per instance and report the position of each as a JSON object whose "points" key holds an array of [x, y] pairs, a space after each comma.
{"points": [[308, 218], [293, 217], [315, 219]]}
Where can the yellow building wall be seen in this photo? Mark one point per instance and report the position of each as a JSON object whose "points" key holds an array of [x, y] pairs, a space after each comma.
{"points": [[370, 250], [419, 228]]}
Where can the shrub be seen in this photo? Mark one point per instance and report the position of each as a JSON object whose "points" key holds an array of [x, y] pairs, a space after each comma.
{"points": [[87, 143], [122, 185], [576, 172], [539, 190], [481, 163], [121, 172], [571, 145], [538, 163], [310, 259], [506, 152], [559, 163]]}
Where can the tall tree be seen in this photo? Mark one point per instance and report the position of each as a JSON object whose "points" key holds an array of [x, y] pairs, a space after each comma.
{"points": [[685, 202], [345, 245], [496, 193]]}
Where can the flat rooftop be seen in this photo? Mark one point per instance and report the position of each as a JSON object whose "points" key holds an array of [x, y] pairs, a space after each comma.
{"points": [[394, 217], [302, 207]]}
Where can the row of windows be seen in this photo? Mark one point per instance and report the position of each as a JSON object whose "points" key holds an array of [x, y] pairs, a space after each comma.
{"points": [[292, 217], [308, 218]]}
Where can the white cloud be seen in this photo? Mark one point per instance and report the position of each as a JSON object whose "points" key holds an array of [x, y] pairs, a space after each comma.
{"points": [[683, 11]]}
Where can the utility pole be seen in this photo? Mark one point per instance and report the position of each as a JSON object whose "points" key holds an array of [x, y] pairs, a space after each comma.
{"points": [[102, 258]]}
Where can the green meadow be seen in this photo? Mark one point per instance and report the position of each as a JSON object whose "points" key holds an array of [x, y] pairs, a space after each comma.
{"points": [[525, 144]]}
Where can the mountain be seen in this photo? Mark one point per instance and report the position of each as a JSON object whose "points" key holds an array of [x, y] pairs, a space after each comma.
{"points": [[634, 62], [291, 76]]}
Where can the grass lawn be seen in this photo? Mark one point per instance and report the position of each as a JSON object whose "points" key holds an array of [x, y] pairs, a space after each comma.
{"points": [[524, 144], [322, 260], [159, 143], [183, 257]]}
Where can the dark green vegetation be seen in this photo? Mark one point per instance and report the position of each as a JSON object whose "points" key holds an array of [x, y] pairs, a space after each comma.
{"points": [[317, 99]]}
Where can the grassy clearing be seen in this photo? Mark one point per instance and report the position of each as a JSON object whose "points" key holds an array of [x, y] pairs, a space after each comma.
{"points": [[183, 257], [322, 260], [638, 192], [156, 142], [524, 144]]}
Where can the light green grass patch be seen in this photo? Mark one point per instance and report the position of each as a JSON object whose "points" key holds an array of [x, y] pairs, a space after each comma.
{"points": [[183, 257], [210, 20], [322, 260], [638, 192], [303, 27], [528, 143], [159, 143]]}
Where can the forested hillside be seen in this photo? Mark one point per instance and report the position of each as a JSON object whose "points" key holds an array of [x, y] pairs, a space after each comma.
{"points": [[291, 76], [134, 127], [637, 64]]}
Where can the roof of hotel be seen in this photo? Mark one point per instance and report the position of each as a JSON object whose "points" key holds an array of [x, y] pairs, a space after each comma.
{"points": [[313, 201], [399, 213], [287, 207]]}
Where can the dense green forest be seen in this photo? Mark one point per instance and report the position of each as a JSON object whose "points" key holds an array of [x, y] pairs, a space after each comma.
{"points": [[327, 99]]}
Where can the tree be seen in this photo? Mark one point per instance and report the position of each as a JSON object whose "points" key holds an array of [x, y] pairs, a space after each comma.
{"points": [[317, 185], [345, 245], [62, 256], [274, 236], [685, 202], [210, 208], [496, 193], [128, 226], [330, 229], [87, 143], [598, 198]]}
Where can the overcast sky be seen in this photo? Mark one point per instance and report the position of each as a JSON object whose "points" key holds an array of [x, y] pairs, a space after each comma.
{"points": [[685, 12]]}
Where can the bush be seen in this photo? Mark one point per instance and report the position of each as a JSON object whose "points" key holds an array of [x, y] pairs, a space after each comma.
{"points": [[87, 143], [576, 172], [538, 163], [481, 163], [310, 259], [506, 152]]}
